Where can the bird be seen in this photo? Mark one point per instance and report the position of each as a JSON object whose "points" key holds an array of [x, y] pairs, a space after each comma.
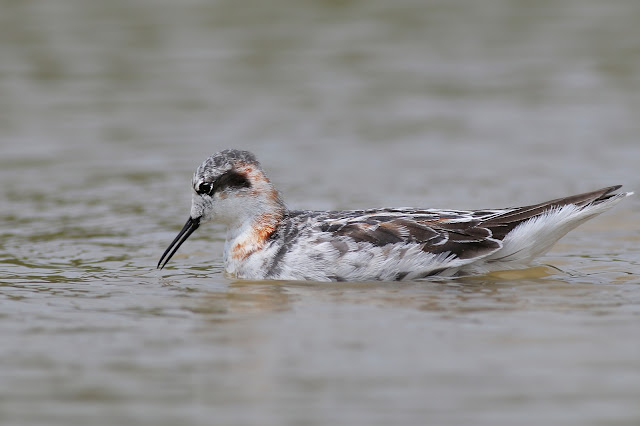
{"points": [[267, 241]]}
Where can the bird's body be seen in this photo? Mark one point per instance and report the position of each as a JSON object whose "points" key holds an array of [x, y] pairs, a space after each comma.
{"points": [[265, 240]]}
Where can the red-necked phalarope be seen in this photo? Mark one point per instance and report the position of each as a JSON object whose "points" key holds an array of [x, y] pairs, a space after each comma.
{"points": [[265, 240]]}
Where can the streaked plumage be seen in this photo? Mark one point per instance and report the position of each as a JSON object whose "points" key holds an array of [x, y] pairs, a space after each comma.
{"points": [[265, 240]]}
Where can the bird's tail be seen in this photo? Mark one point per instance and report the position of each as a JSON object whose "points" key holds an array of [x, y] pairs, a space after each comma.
{"points": [[532, 230]]}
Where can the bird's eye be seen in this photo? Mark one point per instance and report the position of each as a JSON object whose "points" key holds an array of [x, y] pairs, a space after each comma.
{"points": [[205, 188]]}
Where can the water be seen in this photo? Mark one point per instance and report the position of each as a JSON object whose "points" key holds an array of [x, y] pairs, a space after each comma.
{"points": [[106, 108]]}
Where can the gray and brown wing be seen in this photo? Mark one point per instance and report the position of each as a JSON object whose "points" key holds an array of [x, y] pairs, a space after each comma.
{"points": [[463, 237], [466, 234], [504, 221]]}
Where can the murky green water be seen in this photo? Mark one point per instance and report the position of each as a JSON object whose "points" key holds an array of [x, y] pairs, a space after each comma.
{"points": [[106, 108]]}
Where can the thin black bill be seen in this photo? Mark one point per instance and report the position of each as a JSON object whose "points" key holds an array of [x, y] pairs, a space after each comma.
{"points": [[185, 232]]}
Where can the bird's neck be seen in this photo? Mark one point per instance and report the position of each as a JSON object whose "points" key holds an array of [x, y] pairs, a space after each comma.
{"points": [[253, 233]]}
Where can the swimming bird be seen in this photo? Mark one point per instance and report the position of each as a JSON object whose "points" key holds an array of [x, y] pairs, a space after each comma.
{"points": [[265, 240]]}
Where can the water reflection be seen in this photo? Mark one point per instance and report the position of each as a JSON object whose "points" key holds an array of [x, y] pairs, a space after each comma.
{"points": [[246, 298], [538, 288]]}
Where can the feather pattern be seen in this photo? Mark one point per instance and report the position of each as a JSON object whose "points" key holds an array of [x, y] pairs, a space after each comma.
{"points": [[268, 241]]}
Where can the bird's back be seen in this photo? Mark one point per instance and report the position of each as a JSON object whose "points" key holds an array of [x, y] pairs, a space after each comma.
{"points": [[403, 243]]}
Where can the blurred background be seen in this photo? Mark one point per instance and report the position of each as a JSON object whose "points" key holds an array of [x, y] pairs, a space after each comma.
{"points": [[423, 96], [107, 108]]}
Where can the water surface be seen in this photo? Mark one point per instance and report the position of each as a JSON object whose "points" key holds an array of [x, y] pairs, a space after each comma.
{"points": [[106, 108]]}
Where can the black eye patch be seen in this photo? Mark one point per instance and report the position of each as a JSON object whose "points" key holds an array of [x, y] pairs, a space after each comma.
{"points": [[229, 179], [232, 179]]}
